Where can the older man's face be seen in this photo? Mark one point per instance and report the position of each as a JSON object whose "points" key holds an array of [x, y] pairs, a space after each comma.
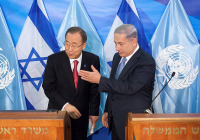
{"points": [[124, 46], [74, 45]]}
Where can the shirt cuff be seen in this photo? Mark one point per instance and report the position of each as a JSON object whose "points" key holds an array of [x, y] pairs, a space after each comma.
{"points": [[63, 108]]}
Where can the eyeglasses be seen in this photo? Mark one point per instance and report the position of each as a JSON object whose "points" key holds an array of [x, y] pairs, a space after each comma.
{"points": [[67, 44]]}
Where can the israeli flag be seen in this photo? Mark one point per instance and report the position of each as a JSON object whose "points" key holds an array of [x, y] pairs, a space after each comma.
{"points": [[127, 14], [36, 42], [78, 16], [11, 88], [175, 48]]}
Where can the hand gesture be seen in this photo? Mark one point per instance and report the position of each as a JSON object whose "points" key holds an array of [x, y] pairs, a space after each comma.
{"points": [[92, 77]]}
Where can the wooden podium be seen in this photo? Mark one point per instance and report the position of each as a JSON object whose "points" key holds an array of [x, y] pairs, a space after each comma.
{"points": [[37, 125], [163, 127]]}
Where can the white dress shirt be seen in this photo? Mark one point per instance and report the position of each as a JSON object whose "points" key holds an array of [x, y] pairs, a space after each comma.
{"points": [[72, 67]]}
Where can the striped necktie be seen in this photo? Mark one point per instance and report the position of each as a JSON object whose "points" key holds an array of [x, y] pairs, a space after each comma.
{"points": [[120, 67]]}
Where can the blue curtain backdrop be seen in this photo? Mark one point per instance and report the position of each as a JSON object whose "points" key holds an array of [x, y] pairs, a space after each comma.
{"points": [[102, 14]]}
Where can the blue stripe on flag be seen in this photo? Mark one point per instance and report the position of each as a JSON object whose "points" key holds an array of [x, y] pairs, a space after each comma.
{"points": [[29, 105], [149, 26], [110, 63], [43, 26], [127, 16]]}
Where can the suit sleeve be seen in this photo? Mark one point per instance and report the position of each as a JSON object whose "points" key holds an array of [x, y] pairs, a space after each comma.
{"points": [[106, 105], [49, 85], [134, 82], [94, 94]]}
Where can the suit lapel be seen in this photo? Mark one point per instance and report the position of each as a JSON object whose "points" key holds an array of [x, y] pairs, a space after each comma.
{"points": [[67, 69], [84, 66], [131, 63], [115, 65]]}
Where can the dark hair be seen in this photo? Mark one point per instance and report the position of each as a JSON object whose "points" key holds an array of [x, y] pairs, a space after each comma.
{"points": [[73, 30]]}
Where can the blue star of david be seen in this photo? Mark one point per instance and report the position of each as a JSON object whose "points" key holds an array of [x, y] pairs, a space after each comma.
{"points": [[24, 72]]}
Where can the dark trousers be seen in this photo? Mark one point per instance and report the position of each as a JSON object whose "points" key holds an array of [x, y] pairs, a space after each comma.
{"points": [[79, 128], [114, 132]]}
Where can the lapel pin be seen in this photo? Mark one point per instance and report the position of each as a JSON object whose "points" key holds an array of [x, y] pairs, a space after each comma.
{"points": [[84, 66]]}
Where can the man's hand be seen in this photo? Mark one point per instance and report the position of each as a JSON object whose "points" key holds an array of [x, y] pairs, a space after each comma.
{"points": [[92, 77], [72, 111], [94, 119], [105, 119]]}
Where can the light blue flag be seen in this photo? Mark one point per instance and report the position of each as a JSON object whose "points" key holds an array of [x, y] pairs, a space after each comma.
{"points": [[175, 48], [11, 89], [127, 14], [78, 16], [36, 42]]}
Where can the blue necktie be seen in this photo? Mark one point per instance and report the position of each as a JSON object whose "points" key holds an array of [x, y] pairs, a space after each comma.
{"points": [[120, 67]]}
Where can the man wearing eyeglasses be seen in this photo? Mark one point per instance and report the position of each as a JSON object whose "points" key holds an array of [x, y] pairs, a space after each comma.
{"points": [[66, 90]]}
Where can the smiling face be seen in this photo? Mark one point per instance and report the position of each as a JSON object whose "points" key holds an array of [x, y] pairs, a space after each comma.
{"points": [[74, 45], [123, 45]]}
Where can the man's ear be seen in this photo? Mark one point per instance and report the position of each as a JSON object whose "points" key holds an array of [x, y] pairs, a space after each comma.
{"points": [[134, 41], [84, 45]]}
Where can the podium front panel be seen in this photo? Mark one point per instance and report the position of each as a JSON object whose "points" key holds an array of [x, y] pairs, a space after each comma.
{"points": [[163, 127], [34, 126]]}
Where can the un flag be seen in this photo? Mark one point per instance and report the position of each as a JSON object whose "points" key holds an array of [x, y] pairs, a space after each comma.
{"points": [[11, 89], [175, 48]]}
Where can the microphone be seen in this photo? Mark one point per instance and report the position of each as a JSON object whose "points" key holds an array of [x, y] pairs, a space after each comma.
{"points": [[149, 111]]}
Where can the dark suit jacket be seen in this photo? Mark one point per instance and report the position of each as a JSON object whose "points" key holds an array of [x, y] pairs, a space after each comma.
{"points": [[132, 91], [58, 85]]}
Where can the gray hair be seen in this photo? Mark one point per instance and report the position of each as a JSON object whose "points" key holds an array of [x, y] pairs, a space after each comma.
{"points": [[128, 29]]}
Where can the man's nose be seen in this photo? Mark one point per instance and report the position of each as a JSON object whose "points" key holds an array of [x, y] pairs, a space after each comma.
{"points": [[71, 48], [117, 47]]}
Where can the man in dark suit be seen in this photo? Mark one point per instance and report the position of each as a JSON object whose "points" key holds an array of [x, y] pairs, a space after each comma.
{"points": [[66, 90], [130, 84]]}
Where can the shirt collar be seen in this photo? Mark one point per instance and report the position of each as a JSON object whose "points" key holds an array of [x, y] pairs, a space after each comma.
{"points": [[129, 57]]}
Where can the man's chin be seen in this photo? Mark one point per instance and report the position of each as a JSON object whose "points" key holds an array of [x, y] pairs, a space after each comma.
{"points": [[71, 56], [121, 54]]}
